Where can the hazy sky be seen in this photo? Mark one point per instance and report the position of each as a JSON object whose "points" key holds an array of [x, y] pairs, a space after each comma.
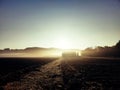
{"points": [[59, 23]]}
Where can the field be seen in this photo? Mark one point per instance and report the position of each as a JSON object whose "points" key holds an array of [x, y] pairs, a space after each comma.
{"points": [[65, 73], [91, 73], [12, 69]]}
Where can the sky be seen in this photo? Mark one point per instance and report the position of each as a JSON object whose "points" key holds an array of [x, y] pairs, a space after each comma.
{"points": [[59, 23]]}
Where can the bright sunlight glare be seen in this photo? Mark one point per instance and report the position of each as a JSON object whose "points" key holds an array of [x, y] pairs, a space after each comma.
{"points": [[62, 43]]}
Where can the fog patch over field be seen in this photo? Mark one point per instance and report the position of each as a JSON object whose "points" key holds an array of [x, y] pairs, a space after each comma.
{"points": [[35, 52], [41, 54]]}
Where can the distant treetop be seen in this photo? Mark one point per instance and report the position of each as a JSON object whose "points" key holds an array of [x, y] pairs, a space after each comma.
{"points": [[118, 44]]}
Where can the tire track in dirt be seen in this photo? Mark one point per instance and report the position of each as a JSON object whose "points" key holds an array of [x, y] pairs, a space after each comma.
{"points": [[72, 77], [76, 79]]}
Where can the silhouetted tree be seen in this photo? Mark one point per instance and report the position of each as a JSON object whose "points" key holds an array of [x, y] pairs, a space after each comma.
{"points": [[118, 45], [106, 51], [7, 49]]}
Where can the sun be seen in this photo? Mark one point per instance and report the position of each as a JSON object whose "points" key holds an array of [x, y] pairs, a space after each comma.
{"points": [[63, 43]]}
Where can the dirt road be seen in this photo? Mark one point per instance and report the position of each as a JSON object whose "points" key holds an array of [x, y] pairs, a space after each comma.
{"points": [[72, 74]]}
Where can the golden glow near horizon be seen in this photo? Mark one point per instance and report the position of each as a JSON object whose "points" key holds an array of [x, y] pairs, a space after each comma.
{"points": [[62, 43]]}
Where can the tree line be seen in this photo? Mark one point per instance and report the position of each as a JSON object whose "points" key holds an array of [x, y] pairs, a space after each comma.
{"points": [[113, 51]]}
